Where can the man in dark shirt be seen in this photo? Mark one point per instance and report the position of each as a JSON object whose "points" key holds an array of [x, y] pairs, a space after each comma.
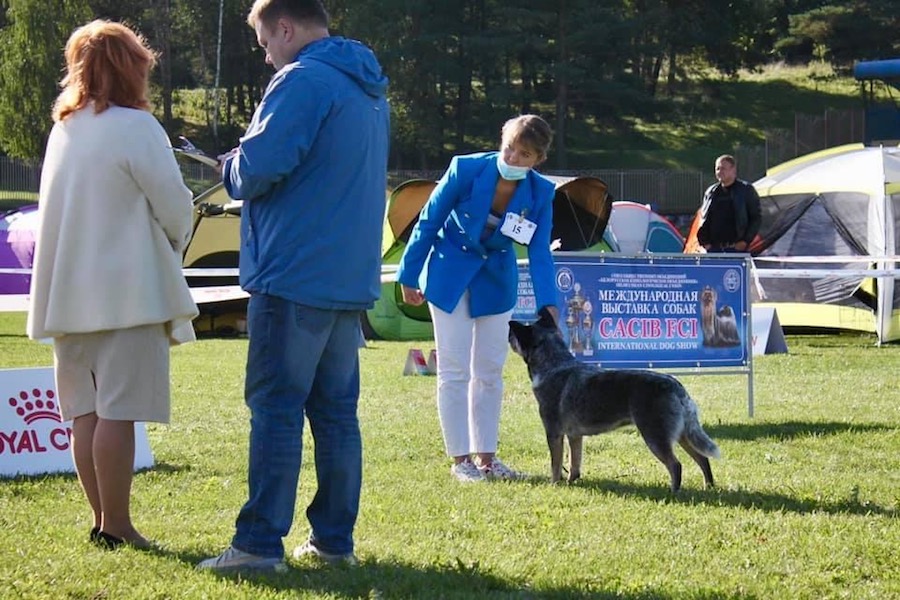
{"points": [[730, 213]]}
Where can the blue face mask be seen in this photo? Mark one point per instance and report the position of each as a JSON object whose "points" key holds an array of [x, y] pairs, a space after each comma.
{"points": [[510, 172]]}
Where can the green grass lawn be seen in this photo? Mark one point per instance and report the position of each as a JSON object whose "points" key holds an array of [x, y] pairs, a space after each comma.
{"points": [[806, 505]]}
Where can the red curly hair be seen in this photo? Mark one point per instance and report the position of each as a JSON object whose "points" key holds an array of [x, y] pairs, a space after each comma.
{"points": [[107, 63]]}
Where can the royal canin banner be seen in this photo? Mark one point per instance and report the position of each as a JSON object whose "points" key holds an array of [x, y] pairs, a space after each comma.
{"points": [[33, 437]]}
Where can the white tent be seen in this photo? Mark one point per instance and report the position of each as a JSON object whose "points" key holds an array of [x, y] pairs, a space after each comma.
{"points": [[840, 202], [17, 233]]}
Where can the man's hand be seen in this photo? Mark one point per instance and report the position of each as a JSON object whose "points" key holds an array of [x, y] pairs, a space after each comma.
{"points": [[223, 157], [740, 246]]}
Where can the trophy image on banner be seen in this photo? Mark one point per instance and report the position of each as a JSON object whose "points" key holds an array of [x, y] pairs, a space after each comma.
{"points": [[578, 322]]}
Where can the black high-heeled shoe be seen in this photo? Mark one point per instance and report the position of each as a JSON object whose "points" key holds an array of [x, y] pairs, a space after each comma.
{"points": [[95, 534], [107, 541]]}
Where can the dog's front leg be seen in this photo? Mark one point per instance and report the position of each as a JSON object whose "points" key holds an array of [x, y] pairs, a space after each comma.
{"points": [[555, 442], [575, 444]]}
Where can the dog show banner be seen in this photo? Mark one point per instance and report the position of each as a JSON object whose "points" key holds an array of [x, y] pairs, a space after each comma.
{"points": [[660, 311], [33, 437]]}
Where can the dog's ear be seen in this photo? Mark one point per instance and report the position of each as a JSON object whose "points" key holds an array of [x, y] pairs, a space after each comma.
{"points": [[519, 333], [545, 317]]}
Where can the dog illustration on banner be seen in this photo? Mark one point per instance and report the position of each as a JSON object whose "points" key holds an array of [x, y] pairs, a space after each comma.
{"points": [[719, 326], [576, 399]]}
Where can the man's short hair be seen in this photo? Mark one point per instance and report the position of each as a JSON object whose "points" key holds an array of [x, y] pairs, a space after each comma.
{"points": [[302, 11], [727, 158]]}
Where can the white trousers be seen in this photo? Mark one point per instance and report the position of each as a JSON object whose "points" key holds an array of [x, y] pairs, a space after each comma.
{"points": [[470, 357]]}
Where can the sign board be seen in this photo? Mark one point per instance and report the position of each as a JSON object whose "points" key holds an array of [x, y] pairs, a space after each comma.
{"points": [[767, 336], [33, 437], [654, 311]]}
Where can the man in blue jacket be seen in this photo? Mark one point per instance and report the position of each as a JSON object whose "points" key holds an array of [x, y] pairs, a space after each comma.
{"points": [[311, 170]]}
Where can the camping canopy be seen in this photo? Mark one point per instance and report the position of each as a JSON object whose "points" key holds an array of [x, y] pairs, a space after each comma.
{"points": [[844, 201], [882, 116], [636, 228], [18, 229], [215, 244], [581, 210], [215, 241], [886, 70]]}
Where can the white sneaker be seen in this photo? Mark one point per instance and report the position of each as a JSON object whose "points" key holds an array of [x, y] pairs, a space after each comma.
{"points": [[466, 471], [497, 470], [308, 549], [236, 560]]}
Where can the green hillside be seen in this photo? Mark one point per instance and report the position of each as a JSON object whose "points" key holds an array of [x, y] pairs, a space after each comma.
{"points": [[704, 117], [713, 115]]}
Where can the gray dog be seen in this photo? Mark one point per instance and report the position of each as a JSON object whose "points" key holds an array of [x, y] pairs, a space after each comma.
{"points": [[575, 399]]}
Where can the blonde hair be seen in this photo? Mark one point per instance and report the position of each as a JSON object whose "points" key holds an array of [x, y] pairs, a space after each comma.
{"points": [[530, 130], [106, 63]]}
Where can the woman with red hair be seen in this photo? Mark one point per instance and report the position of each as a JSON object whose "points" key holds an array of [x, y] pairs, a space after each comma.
{"points": [[107, 285]]}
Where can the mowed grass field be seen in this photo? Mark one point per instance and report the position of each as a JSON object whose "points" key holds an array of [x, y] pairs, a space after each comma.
{"points": [[806, 506]]}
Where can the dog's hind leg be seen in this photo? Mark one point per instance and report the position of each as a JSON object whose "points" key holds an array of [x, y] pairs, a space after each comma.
{"points": [[555, 442], [575, 445], [701, 460], [662, 449], [657, 430]]}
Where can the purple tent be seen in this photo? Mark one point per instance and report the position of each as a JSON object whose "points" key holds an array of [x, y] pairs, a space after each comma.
{"points": [[17, 234]]}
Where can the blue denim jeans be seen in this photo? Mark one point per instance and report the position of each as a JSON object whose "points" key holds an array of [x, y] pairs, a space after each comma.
{"points": [[301, 360]]}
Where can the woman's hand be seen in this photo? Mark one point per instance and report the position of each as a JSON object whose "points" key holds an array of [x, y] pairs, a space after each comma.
{"points": [[412, 296]]}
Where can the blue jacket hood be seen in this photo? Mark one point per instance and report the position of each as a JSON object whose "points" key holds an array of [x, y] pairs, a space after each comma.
{"points": [[351, 58]]}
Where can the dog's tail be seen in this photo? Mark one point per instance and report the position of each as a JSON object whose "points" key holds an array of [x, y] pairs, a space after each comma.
{"points": [[694, 433]]}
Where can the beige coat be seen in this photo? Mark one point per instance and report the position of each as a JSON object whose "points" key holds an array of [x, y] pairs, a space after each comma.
{"points": [[115, 216]]}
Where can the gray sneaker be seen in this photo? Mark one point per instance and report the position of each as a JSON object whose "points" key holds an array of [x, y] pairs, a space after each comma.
{"points": [[237, 560], [466, 471], [308, 549], [497, 470]]}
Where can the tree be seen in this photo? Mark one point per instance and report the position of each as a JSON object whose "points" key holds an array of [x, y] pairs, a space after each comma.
{"points": [[31, 65], [844, 33]]}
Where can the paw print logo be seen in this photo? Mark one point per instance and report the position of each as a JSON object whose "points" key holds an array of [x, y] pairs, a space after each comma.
{"points": [[35, 405]]}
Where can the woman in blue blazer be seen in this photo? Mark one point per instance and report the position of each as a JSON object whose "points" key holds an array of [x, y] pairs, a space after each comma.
{"points": [[460, 258]]}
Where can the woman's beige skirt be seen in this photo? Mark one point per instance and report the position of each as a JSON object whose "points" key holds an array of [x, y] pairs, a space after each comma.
{"points": [[121, 374]]}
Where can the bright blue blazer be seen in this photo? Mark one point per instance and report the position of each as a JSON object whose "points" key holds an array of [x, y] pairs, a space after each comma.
{"points": [[444, 256]]}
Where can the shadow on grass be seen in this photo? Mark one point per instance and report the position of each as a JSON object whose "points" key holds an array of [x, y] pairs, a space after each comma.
{"points": [[788, 430], [765, 501], [382, 579], [159, 467], [164, 467]]}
